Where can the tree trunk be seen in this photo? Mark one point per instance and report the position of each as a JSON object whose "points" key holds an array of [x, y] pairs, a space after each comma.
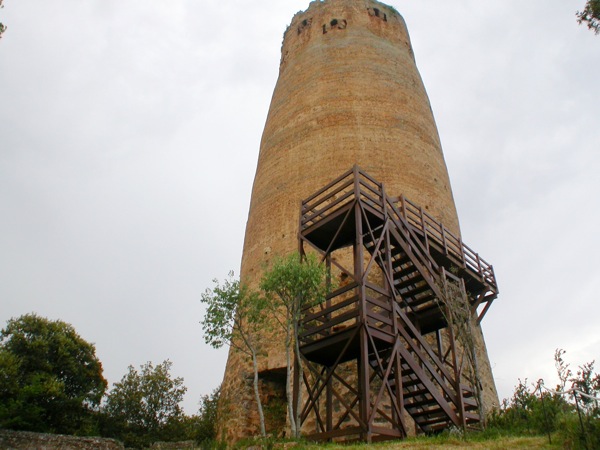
{"points": [[288, 388], [300, 372], [261, 415]]}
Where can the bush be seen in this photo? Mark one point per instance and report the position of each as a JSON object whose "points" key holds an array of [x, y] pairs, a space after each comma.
{"points": [[571, 416], [530, 411]]}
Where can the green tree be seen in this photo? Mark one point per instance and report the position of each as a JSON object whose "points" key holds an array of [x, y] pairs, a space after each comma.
{"points": [[207, 417], [144, 406], [50, 378], [234, 315], [590, 15], [292, 284]]}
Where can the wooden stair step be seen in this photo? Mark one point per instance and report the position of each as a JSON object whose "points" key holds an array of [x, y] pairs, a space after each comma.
{"points": [[415, 302], [404, 271], [433, 422], [428, 401], [410, 382], [438, 426], [430, 308], [469, 401], [399, 258], [467, 388], [433, 413], [411, 394], [472, 416], [418, 390], [404, 282], [398, 250], [417, 290]]}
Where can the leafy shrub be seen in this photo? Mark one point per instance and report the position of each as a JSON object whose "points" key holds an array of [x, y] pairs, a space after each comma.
{"points": [[574, 418]]}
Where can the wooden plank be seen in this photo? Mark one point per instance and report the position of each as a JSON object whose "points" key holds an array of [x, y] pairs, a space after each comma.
{"points": [[414, 365], [377, 302], [378, 318], [310, 216], [329, 310], [331, 323], [329, 186], [307, 229], [391, 432], [424, 347], [349, 431]]}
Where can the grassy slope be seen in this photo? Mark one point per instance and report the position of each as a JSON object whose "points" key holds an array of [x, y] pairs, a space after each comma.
{"points": [[455, 443]]}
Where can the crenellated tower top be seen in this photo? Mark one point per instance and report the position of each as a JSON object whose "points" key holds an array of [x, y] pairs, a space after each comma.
{"points": [[347, 17]]}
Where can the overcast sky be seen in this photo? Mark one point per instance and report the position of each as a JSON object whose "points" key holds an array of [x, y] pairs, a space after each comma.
{"points": [[129, 135]]}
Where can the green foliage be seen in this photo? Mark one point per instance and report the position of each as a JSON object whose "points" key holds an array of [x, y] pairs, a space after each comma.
{"points": [[221, 305], [530, 411], [144, 406], [290, 285], [50, 378], [585, 431], [233, 315], [588, 382], [295, 283], [590, 15], [205, 430], [238, 316], [567, 415]]}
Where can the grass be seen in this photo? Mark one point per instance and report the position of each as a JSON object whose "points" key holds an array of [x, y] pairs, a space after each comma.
{"points": [[453, 443], [486, 440]]}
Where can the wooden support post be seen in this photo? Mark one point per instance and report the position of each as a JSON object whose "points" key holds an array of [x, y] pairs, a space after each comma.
{"points": [[424, 228], [444, 243], [460, 406], [438, 336], [329, 401]]}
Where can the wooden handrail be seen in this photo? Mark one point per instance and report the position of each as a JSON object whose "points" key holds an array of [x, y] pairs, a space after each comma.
{"points": [[328, 186], [410, 220], [419, 346], [426, 224], [312, 214], [341, 186]]}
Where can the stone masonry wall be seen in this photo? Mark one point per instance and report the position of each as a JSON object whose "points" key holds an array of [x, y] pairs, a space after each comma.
{"points": [[25, 440]]}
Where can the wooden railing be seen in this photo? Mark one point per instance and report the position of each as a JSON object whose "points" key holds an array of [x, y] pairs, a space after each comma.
{"points": [[432, 270], [434, 231], [352, 185], [429, 361], [339, 311], [417, 226], [357, 185]]}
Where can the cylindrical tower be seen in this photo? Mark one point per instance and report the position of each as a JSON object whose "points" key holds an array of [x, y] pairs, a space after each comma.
{"points": [[348, 93]]}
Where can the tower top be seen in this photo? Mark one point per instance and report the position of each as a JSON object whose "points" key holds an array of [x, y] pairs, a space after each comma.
{"points": [[323, 19]]}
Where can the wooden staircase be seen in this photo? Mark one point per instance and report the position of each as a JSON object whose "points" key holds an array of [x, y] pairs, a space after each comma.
{"points": [[389, 328]]}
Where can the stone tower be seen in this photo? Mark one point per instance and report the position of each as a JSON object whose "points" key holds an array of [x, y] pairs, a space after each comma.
{"points": [[349, 93]]}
